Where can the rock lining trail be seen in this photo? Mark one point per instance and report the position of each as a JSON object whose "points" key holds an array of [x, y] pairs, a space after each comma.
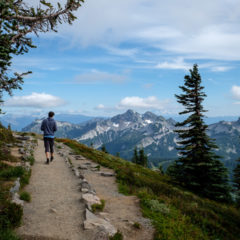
{"points": [[57, 210]]}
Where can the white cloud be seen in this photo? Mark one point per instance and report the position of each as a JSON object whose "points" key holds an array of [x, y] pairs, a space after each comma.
{"points": [[235, 91], [151, 102], [175, 65], [221, 68], [200, 29], [100, 107], [35, 100], [97, 77]]}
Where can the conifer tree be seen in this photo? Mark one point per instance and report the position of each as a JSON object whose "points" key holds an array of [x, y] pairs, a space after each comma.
{"points": [[18, 19], [139, 157], [142, 158], [103, 148], [135, 158], [198, 167], [236, 180]]}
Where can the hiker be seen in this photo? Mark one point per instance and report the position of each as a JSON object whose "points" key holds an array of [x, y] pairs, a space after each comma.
{"points": [[48, 127]]}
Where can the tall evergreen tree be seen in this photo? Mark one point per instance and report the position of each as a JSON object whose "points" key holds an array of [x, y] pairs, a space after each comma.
{"points": [[135, 158], [198, 168], [103, 148], [236, 180], [142, 158], [139, 157]]}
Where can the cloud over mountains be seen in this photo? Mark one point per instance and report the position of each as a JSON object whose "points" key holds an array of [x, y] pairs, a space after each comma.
{"points": [[35, 100]]}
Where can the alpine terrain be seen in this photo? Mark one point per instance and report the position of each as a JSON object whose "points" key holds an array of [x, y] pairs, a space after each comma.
{"points": [[123, 132]]}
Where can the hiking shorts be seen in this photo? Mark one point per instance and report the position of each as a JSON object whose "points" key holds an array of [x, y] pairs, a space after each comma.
{"points": [[48, 144]]}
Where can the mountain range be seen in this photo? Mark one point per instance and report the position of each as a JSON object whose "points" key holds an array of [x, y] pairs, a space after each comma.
{"points": [[18, 122], [123, 132]]}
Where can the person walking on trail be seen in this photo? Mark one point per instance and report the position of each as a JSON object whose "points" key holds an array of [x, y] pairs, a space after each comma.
{"points": [[48, 127]]}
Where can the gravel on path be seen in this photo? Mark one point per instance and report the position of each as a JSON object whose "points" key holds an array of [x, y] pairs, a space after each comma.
{"points": [[55, 211]]}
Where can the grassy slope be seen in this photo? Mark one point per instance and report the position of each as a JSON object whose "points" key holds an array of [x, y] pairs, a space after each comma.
{"points": [[175, 213], [10, 213]]}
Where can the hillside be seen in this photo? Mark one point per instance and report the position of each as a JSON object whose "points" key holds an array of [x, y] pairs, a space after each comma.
{"points": [[176, 214]]}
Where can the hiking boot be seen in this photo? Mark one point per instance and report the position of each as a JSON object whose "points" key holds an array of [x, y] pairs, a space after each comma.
{"points": [[47, 162], [51, 159]]}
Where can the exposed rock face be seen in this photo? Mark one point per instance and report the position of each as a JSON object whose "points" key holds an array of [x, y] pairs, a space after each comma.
{"points": [[16, 199], [93, 222], [90, 199], [16, 186]]}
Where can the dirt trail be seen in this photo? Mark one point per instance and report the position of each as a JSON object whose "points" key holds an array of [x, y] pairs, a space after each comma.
{"points": [[55, 211]]}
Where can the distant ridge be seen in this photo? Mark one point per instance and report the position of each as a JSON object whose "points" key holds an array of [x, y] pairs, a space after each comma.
{"points": [[123, 132]]}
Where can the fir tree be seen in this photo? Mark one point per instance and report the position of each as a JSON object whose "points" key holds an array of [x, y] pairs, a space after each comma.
{"points": [[142, 158], [198, 168], [236, 180], [139, 157], [18, 20], [103, 148], [135, 158]]}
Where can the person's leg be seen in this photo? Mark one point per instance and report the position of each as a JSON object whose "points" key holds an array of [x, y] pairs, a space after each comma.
{"points": [[47, 154], [51, 144], [46, 145]]}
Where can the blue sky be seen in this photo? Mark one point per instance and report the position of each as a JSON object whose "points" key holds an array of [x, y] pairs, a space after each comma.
{"points": [[133, 54]]}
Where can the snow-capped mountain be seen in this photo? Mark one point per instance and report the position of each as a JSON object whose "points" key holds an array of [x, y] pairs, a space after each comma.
{"points": [[125, 131], [122, 133]]}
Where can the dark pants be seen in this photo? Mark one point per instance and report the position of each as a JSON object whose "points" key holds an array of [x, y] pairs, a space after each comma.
{"points": [[48, 144]]}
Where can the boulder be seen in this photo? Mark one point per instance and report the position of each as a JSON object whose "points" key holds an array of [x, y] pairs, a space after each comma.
{"points": [[107, 174], [9, 145], [16, 186], [83, 167], [21, 150], [93, 222], [79, 157], [95, 165], [88, 163], [90, 199], [20, 145], [84, 190], [76, 172], [17, 200]]}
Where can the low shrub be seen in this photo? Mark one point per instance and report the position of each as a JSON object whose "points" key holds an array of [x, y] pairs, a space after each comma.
{"points": [[8, 234], [117, 236], [12, 172], [10, 216], [98, 207], [25, 196], [24, 180], [30, 159], [6, 135], [137, 225]]}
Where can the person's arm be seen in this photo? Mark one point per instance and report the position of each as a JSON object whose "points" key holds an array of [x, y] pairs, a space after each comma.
{"points": [[55, 126], [43, 125]]}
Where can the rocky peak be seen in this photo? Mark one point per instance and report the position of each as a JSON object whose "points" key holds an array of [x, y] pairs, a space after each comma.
{"points": [[171, 121], [128, 116], [149, 116]]}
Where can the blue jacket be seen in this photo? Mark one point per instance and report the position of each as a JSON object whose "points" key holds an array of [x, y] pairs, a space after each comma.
{"points": [[48, 127]]}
